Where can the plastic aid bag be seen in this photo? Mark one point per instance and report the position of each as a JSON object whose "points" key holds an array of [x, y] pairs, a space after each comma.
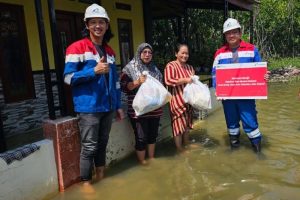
{"points": [[197, 94], [150, 96]]}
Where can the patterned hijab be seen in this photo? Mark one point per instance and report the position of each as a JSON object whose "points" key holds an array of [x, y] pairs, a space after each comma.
{"points": [[136, 66]]}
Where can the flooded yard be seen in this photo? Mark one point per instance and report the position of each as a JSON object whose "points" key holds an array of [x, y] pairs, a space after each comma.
{"points": [[210, 170]]}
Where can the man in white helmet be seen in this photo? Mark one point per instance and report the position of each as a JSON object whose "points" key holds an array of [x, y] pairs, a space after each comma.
{"points": [[91, 71], [236, 110]]}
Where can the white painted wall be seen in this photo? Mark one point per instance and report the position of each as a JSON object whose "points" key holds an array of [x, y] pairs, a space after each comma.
{"points": [[121, 141], [32, 178]]}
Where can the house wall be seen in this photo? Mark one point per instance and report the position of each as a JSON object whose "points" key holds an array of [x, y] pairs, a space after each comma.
{"points": [[24, 116], [136, 15], [32, 31]]}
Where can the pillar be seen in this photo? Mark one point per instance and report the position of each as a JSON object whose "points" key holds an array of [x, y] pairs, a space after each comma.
{"points": [[66, 140]]}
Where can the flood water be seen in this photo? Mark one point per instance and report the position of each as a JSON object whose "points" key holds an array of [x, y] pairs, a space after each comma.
{"points": [[210, 171]]}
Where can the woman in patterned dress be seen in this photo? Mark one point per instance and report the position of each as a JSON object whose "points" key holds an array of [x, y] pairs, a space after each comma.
{"points": [[177, 74]]}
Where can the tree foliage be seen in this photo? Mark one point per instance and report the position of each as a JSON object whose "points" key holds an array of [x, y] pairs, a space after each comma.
{"points": [[277, 28], [203, 35], [276, 32]]}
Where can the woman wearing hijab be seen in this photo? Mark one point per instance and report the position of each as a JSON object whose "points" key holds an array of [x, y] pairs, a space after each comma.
{"points": [[145, 126]]}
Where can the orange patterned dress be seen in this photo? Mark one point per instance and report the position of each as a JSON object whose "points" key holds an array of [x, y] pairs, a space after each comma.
{"points": [[181, 113]]}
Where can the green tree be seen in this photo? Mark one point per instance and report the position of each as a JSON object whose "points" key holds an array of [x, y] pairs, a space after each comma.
{"points": [[277, 28], [276, 31]]}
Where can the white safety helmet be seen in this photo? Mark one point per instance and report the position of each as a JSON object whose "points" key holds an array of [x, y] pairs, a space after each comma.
{"points": [[95, 10], [230, 24]]}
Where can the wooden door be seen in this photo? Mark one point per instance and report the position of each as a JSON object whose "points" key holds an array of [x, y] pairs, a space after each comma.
{"points": [[15, 66], [69, 27]]}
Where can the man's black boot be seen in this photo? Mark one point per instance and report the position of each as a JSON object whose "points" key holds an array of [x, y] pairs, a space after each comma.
{"points": [[234, 141], [257, 147]]}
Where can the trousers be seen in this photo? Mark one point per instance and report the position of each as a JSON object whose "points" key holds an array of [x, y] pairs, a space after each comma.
{"points": [[94, 133], [145, 131], [243, 110]]}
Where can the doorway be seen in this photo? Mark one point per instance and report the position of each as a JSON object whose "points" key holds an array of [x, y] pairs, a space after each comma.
{"points": [[15, 67], [69, 28]]}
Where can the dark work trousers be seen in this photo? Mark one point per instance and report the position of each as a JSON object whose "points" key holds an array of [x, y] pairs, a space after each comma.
{"points": [[94, 132], [145, 131]]}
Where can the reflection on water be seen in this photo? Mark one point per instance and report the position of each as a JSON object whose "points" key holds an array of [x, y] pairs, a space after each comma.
{"points": [[210, 171]]}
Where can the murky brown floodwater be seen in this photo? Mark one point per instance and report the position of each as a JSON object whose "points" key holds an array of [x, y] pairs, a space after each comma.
{"points": [[211, 171]]}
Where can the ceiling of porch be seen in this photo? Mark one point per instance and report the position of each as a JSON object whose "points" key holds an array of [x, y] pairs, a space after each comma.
{"points": [[173, 8]]}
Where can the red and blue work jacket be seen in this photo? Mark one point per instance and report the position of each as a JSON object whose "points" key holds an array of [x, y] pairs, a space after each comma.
{"points": [[91, 92], [246, 53]]}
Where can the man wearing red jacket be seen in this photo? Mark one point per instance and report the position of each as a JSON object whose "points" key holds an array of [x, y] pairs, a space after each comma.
{"points": [[236, 110], [91, 71]]}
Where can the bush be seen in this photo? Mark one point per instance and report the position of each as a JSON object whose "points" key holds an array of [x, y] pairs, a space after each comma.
{"points": [[276, 63]]}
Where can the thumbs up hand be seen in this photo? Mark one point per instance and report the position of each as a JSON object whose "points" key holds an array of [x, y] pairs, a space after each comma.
{"points": [[102, 67]]}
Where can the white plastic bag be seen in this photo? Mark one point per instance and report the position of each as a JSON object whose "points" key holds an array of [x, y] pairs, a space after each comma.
{"points": [[150, 96], [197, 94]]}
